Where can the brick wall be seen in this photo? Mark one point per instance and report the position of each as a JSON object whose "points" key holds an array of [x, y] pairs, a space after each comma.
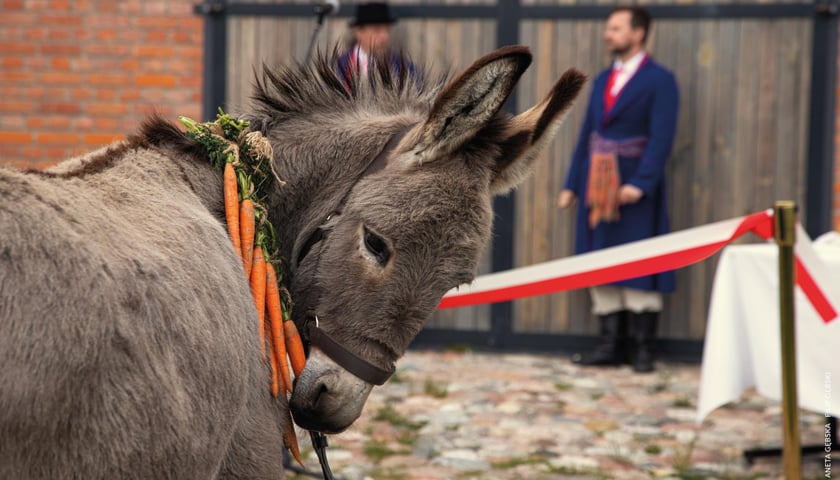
{"points": [[79, 74]]}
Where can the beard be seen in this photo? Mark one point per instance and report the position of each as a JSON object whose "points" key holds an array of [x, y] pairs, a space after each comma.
{"points": [[619, 49]]}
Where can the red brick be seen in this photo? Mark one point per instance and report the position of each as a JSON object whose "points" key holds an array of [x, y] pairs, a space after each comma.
{"points": [[156, 36], [61, 19], [51, 138], [102, 138], [16, 106], [106, 94], [130, 95], [60, 5], [63, 78], [81, 93], [12, 122], [106, 35], [81, 123], [21, 18], [36, 34], [36, 92], [60, 49], [155, 21], [36, 63], [106, 109], [129, 65], [154, 51], [115, 50], [185, 37], [107, 79], [11, 5], [105, 123], [60, 108], [15, 137], [15, 48], [60, 63], [12, 62], [155, 80], [50, 121]]}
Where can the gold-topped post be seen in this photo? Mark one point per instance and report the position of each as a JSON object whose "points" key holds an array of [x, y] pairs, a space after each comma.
{"points": [[784, 218]]}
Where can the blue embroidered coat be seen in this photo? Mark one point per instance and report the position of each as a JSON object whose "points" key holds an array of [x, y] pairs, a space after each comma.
{"points": [[646, 106]]}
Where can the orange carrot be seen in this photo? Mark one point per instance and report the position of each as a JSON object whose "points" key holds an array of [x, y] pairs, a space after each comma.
{"points": [[289, 437], [275, 383], [247, 227], [232, 208], [275, 318], [258, 288], [294, 347]]}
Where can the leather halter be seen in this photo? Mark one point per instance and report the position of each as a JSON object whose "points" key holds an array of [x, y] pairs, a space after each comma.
{"points": [[341, 355], [348, 360]]}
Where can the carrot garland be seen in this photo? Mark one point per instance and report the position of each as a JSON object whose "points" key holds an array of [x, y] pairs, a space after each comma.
{"points": [[247, 229], [275, 318], [231, 207], [244, 158], [290, 439], [294, 347]]}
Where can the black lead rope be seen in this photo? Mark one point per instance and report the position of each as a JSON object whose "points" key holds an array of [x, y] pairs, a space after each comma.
{"points": [[319, 443]]}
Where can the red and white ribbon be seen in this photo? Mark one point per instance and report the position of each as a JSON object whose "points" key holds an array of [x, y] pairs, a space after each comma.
{"points": [[645, 257]]}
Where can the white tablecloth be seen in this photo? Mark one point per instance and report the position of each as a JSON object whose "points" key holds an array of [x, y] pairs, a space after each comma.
{"points": [[742, 346]]}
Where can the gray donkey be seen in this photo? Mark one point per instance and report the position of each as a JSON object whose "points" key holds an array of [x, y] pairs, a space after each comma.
{"points": [[128, 342]]}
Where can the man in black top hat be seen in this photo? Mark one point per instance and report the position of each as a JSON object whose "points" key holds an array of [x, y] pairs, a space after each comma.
{"points": [[372, 35]]}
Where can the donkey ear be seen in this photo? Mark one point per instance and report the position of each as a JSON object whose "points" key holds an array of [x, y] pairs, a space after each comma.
{"points": [[468, 103], [528, 132]]}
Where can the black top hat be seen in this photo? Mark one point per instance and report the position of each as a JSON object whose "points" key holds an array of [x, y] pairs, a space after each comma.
{"points": [[372, 13]]}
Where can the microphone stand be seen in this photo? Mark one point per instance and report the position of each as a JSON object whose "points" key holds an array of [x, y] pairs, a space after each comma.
{"points": [[322, 12]]}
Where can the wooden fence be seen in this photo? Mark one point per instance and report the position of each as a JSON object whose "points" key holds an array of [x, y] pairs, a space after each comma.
{"points": [[742, 139]]}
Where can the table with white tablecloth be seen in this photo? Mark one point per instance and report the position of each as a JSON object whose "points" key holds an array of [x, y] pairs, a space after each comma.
{"points": [[742, 346]]}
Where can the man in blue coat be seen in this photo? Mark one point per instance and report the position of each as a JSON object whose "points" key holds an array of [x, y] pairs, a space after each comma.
{"points": [[617, 180]]}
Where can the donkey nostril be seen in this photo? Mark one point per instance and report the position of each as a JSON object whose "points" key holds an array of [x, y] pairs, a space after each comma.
{"points": [[320, 394]]}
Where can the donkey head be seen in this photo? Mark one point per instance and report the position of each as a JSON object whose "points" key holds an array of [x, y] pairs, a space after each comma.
{"points": [[410, 226]]}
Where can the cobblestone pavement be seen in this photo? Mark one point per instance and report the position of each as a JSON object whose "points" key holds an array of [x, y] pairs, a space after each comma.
{"points": [[448, 415]]}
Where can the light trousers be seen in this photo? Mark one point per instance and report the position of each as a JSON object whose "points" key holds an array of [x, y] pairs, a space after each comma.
{"points": [[608, 299]]}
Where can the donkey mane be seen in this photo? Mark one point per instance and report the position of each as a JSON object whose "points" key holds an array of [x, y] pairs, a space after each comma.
{"points": [[392, 84]]}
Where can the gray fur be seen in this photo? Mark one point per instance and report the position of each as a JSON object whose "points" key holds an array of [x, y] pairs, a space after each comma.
{"points": [[128, 345]]}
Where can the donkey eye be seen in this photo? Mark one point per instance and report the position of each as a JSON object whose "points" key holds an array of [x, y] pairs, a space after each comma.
{"points": [[377, 247]]}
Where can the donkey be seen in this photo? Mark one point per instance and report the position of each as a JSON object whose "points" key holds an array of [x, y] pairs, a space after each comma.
{"points": [[128, 344]]}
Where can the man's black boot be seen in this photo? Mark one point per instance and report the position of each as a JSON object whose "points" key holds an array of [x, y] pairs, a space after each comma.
{"points": [[642, 338], [611, 350]]}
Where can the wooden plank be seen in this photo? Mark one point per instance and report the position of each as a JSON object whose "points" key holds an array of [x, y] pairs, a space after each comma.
{"points": [[785, 119], [558, 157], [523, 227], [764, 173], [745, 104], [803, 94]]}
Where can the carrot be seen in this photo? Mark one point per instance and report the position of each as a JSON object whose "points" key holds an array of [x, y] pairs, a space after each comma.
{"points": [[275, 318], [275, 383], [247, 227], [232, 208], [294, 347], [258, 288], [289, 437]]}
